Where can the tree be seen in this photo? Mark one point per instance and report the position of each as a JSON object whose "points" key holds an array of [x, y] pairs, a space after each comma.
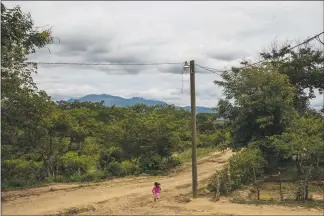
{"points": [[21, 104], [303, 141], [303, 66], [262, 103]]}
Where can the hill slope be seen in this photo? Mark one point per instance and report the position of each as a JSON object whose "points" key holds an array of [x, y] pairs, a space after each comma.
{"points": [[110, 100]]}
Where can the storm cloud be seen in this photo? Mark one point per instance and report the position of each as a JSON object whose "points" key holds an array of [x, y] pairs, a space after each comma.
{"points": [[214, 34]]}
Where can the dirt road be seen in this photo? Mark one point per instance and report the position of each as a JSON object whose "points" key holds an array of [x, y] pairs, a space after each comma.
{"points": [[132, 196]]}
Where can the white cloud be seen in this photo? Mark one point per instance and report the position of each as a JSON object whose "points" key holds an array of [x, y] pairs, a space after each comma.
{"points": [[215, 34]]}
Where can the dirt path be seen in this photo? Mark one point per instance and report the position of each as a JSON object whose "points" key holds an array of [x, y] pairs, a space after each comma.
{"points": [[133, 196]]}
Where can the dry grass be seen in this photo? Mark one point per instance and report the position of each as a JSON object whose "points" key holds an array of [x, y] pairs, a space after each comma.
{"points": [[270, 194]]}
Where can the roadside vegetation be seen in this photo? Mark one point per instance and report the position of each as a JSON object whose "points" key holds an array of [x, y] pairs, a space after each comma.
{"points": [[45, 141], [278, 137]]}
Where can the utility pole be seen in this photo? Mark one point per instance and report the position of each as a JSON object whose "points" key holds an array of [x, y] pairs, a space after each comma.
{"points": [[193, 129]]}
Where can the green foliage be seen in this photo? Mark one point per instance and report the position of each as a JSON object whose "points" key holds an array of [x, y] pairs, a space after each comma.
{"points": [[240, 170], [21, 172], [267, 108], [130, 167], [318, 173], [303, 66], [86, 177], [149, 162], [303, 142], [262, 103], [124, 168], [115, 169]]}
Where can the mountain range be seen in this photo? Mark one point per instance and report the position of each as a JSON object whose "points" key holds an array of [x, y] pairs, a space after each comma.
{"points": [[110, 100]]}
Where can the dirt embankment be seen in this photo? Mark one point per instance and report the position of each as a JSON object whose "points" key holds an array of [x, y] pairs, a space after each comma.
{"points": [[132, 196]]}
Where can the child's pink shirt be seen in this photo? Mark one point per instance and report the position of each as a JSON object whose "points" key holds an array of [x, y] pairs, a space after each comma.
{"points": [[156, 190]]}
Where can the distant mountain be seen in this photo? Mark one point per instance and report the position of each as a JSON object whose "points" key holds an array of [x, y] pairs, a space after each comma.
{"points": [[200, 109], [110, 100]]}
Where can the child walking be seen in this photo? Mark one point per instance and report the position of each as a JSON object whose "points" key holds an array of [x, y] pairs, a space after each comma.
{"points": [[156, 191]]}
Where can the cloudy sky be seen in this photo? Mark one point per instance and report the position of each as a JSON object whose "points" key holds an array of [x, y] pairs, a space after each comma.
{"points": [[214, 34]]}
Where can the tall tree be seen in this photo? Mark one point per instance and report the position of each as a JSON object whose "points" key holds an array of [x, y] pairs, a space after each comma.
{"points": [[20, 102], [262, 103], [304, 66]]}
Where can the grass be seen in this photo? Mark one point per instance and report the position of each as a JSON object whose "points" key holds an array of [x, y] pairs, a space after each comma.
{"points": [[317, 204], [288, 189], [74, 210], [186, 155], [270, 195]]}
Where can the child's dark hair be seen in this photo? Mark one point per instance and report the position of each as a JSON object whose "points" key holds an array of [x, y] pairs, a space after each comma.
{"points": [[157, 184]]}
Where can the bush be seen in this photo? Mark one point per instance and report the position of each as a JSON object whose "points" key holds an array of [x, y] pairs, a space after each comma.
{"points": [[170, 162], [130, 168], [93, 176], [59, 178], [151, 162], [21, 172], [318, 173], [239, 170], [115, 169], [13, 183], [72, 162], [110, 155], [206, 141]]}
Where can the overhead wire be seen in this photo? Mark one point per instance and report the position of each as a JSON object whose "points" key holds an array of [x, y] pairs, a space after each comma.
{"points": [[213, 70], [209, 69], [103, 64], [319, 40]]}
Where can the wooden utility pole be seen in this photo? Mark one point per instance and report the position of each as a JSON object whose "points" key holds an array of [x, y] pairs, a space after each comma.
{"points": [[193, 129]]}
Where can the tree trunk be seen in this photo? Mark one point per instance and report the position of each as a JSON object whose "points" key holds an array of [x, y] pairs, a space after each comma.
{"points": [[299, 189], [48, 170], [229, 174], [217, 193], [57, 169], [298, 165], [79, 154], [306, 184], [50, 155], [256, 184], [280, 187]]}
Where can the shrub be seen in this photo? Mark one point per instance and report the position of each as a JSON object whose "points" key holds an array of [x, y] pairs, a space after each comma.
{"points": [[93, 176], [60, 178], [130, 168], [21, 172], [110, 155], [170, 162], [239, 170], [318, 173], [72, 162], [150, 162], [115, 169], [16, 183], [206, 141]]}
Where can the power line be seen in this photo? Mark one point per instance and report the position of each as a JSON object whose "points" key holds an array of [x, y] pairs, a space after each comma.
{"points": [[209, 69], [213, 70], [319, 40], [102, 64]]}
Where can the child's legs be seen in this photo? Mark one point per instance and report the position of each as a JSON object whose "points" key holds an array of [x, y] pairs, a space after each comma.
{"points": [[157, 196]]}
